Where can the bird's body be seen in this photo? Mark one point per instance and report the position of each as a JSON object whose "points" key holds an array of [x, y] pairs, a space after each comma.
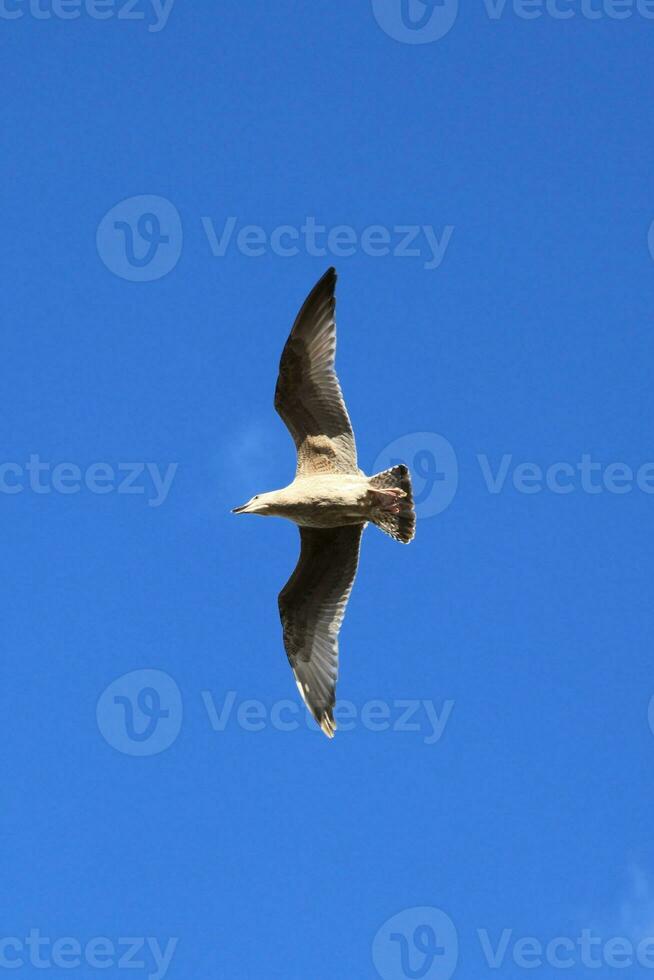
{"points": [[327, 500], [330, 499]]}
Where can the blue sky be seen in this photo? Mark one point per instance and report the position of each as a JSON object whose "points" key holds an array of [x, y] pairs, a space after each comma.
{"points": [[164, 177]]}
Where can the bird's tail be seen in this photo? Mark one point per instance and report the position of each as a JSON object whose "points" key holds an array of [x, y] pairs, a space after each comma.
{"points": [[393, 509]]}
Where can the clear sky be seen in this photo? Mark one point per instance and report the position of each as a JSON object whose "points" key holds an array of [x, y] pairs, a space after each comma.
{"points": [[503, 776]]}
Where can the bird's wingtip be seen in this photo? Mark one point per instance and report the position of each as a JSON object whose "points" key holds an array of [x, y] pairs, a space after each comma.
{"points": [[328, 725]]}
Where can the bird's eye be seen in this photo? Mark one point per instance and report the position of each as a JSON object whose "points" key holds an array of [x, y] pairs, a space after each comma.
{"points": [[256, 496]]}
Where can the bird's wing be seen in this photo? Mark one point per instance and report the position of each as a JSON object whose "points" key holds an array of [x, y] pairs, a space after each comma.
{"points": [[308, 396], [311, 606]]}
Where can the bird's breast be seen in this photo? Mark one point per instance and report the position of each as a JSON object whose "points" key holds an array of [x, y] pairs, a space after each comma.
{"points": [[330, 501]]}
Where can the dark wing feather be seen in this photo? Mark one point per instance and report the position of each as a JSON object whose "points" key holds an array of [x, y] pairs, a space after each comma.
{"points": [[311, 606], [308, 396]]}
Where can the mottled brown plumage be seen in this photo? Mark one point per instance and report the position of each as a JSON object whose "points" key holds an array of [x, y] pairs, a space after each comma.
{"points": [[330, 499], [308, 396]]}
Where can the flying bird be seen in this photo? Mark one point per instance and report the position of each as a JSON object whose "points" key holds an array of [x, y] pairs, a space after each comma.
{"points": [[330, 499]]}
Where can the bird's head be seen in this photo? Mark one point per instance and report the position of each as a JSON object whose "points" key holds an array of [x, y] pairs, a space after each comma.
{"points": [[262, 503]]}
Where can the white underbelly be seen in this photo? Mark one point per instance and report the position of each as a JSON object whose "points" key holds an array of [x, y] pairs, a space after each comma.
{"points": [[331, 501]]}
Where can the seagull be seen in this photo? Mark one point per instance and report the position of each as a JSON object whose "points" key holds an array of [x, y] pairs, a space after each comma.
{"points": [[331, 500]]}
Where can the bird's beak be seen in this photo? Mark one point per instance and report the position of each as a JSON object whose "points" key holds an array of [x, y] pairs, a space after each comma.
{"points": [[240, 510]]}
